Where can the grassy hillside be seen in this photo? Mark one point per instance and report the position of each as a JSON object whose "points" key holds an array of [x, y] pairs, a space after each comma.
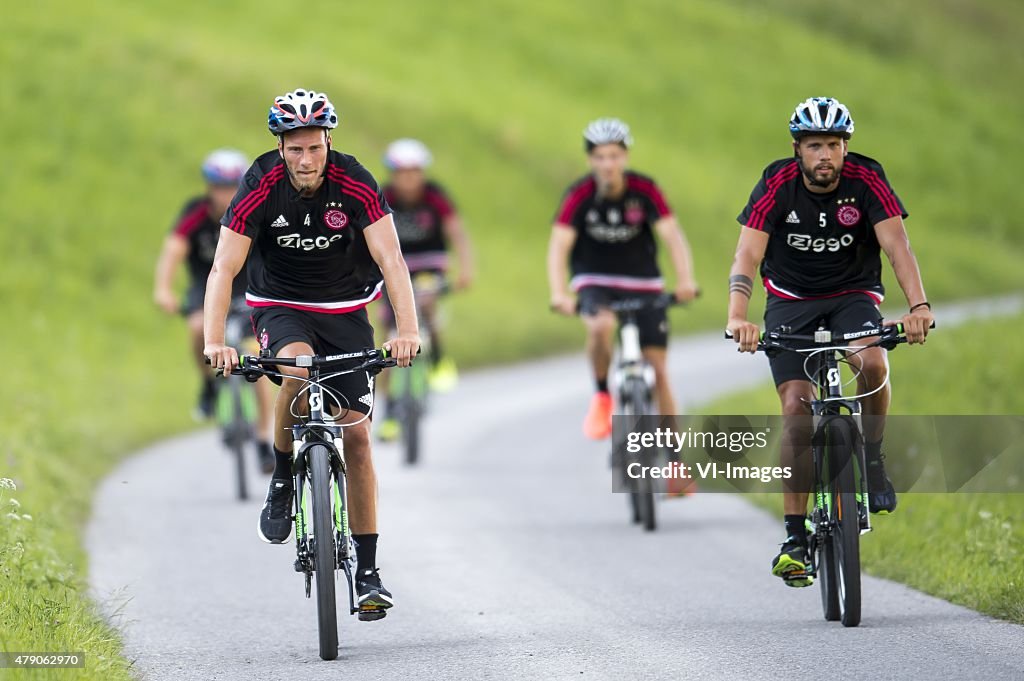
{"points": [[965, 547], [112, 106]]}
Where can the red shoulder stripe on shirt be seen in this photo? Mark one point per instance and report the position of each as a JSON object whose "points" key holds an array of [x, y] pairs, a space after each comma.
{"points": [[880, 189], [764, 205], [358, 190], [439, 202], [650, 189], [271, 177], [247, 205], [191, 221], [573, 201]]}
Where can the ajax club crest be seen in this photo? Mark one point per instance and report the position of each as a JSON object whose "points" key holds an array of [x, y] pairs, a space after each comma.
{"points": [[847, 214], [334, 218]]}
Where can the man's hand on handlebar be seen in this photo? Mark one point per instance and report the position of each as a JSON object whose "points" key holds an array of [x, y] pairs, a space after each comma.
{"points": [[564, 304], [221, 357], [915, 324], [686, 291], [403, 348], [745, 333]]}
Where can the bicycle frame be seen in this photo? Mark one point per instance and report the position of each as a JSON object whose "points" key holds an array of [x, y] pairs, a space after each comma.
{"points": [[317, 431], [831, 404]]}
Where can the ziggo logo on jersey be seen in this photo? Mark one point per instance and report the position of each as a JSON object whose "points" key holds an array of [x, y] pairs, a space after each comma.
{"points": [[294, 241], [804, 242]]}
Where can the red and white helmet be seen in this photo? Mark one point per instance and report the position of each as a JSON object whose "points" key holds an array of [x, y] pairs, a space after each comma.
{"points": [[301, 109]]}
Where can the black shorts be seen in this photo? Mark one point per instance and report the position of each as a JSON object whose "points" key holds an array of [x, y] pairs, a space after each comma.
{"points": [[327, 334], [653, 324], [846, 313], [193, 300]]}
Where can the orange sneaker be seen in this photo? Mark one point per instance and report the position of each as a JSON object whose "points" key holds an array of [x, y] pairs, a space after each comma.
{"points": [[680, 487], [598, 423]]}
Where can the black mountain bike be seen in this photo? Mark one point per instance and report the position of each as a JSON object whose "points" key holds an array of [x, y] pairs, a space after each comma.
{"points": [[409, 390], [322, 537], [840, 509], [635, 380]]}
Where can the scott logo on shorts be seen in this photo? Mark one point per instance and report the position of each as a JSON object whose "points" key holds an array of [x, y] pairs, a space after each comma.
{"points": [[805, 242], [309, 244]]}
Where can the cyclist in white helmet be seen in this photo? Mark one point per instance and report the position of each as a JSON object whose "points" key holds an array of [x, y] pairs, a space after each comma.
{"points": [[815, 226], [322, 245], [604, 231], [193, 240], [428, 225]]}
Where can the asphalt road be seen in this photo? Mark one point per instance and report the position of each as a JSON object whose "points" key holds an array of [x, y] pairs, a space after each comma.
{"points": [[509, 558]]}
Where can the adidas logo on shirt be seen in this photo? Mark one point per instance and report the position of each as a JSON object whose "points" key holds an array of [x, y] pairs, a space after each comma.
{"points": [[279, 222], [793, 218]]}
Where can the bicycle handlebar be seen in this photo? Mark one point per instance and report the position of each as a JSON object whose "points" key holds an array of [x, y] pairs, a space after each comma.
{"points": [[252, 366], [888, 336]]}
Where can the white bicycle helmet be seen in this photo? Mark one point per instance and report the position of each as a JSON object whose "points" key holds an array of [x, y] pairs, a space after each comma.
{"points": [[225, 166], [407, 153], [606, 131], [821, 116], [301, 109]]}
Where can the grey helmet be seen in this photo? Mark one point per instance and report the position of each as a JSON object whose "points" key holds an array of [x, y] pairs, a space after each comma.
{"points": [[606, 131]]}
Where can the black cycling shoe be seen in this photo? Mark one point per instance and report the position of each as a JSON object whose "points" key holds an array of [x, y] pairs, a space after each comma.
{"points": [[791, 563], [265, 456], [372, 598], [207, 398], [881, 493], [275, 525]]}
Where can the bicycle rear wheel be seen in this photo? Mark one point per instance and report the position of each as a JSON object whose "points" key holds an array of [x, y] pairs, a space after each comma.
{"points": [[234, 426], [411, 430], [323, 550]]}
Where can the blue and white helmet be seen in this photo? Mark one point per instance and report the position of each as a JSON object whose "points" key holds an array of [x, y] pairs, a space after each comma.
{"points": [[301, 109], [225, 167], [407, 153], [821, 116], [606, 131]]}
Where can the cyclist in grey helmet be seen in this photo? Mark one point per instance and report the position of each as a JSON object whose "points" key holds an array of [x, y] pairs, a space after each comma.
{"points": [[602, 248]]}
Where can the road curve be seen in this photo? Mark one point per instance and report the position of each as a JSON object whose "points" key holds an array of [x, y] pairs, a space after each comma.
{"points": [[509, 558]]}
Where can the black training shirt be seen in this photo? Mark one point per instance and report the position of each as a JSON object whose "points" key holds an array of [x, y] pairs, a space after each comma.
{"points": [[822, 244], [309, 253]]}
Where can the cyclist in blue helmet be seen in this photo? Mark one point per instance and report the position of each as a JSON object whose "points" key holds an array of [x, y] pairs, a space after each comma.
{"points": [[193, 241], [815, 226]]}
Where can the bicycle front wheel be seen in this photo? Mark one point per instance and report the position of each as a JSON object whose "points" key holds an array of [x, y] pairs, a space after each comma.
{"points": [[323, 550], [845, 522], [643, 494]]}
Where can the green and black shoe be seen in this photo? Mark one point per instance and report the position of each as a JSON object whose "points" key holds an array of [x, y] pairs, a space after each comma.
{"points": [[791, 563]]}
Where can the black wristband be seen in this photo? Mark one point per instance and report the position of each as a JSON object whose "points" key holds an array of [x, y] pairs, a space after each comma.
{"points": [[925, 304]]}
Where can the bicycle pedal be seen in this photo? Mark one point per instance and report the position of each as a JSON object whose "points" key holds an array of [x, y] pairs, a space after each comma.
{"points": [[371, 613]]}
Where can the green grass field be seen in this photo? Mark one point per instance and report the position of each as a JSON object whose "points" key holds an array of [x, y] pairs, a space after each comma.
{"points": [[965, 547], [113, 105]]}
